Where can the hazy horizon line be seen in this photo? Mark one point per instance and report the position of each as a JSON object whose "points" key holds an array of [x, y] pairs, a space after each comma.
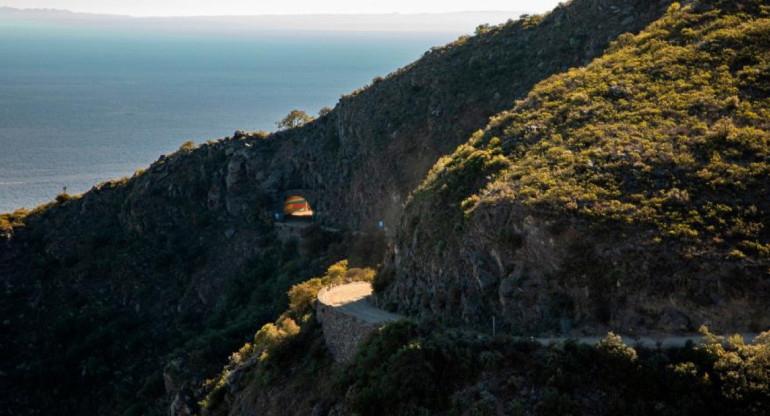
{"points": [[92, 14], [452, 22]]}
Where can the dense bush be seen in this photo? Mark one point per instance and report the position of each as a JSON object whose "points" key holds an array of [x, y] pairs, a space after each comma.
{"points": [[410, 370], [302, 296], [401, 373]]}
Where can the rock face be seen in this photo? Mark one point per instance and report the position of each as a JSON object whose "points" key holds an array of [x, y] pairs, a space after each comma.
{"points": [[554, 276]]}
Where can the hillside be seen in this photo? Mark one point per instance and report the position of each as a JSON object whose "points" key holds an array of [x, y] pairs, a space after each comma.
{"points": [[631, 194], [628, 195], [116, 300]]}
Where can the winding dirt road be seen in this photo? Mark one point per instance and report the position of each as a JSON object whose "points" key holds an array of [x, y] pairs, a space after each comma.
{"points": [[351, 299], [674, 341]]}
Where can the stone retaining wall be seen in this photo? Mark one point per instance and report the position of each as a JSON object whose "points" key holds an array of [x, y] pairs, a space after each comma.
{"points": [[343, 333]]}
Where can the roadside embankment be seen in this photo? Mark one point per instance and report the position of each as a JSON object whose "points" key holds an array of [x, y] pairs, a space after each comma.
{"points": [[348, 318]]}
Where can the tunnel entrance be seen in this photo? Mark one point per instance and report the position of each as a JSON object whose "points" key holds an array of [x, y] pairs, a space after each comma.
{"points": [[297, 207]]}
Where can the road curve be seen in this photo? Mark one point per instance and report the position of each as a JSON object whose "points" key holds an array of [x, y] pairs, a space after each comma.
{"points": [[352, 299]]}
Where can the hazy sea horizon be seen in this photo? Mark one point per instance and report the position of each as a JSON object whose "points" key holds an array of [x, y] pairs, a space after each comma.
{"points": [[79, 106]]}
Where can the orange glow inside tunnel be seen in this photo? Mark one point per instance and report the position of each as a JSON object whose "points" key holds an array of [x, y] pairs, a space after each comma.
{"points": [[297, 206]]}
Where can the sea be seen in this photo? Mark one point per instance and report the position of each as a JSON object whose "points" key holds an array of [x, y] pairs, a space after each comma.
{"points": [[79, 106]]}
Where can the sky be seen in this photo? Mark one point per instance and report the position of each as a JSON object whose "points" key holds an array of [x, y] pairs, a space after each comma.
{"points": [[262, 7]]}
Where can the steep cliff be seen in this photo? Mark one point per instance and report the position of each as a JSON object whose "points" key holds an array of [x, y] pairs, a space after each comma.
{"points": [[179, 262], [631, 194]]}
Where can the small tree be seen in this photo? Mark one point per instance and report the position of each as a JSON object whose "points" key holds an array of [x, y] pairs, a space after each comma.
{"points": [[482, 29], [64, 196], [295, 118], [324, 111], [336, 273], [302, 295], [187, 147]]}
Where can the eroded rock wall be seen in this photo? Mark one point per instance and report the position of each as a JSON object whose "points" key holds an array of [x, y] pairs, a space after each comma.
{"points": [[544, 275]]}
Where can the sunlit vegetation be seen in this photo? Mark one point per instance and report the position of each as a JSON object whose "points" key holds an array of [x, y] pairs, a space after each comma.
{"points": [[295, 118], [187, 147], [276, 344], [12, 219], [669, 129]]}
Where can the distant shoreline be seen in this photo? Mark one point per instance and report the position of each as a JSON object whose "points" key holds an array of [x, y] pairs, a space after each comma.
{"points": [[459, 22]]}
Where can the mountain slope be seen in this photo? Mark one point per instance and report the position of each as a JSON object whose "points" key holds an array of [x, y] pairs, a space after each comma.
{"points": [[179, 262], [631, 194]]}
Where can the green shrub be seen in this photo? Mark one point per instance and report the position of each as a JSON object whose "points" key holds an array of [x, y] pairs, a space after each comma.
{"points": [[11, 220], [302, 296], [295, 118], [742, 371], [335, 275], [400, 372], [187, 147]]}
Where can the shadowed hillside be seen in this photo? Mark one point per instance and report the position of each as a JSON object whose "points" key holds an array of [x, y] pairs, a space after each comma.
{"points": [[177, 263]]}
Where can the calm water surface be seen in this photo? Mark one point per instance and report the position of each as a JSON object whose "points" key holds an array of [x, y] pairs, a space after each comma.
{"points": [[81, 105]]}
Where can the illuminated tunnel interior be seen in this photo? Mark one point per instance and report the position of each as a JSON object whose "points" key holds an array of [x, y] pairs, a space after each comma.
{"points": [[297, 207]]}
